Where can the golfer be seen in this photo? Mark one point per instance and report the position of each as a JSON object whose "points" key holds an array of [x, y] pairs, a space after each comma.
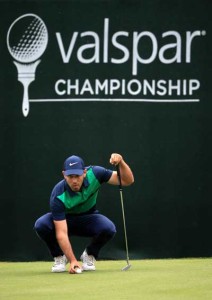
{"points": [[73, 212]]}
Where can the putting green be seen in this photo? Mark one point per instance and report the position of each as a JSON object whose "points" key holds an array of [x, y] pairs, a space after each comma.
{"points": [[183, 279]]}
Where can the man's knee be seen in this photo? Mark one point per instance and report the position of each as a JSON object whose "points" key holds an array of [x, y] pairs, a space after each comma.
{"points": [[38, 226], [43, 224], [110, 229]]}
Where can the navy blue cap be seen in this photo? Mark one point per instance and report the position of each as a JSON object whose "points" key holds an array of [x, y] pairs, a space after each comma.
{"points": [[73, 165]]}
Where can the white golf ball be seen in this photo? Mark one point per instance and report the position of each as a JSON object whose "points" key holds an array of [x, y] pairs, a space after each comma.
{"points": [[78, 270]]}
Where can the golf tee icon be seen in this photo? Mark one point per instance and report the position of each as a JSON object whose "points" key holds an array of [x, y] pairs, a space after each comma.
{"points": [[27, 39], [26, 74]]}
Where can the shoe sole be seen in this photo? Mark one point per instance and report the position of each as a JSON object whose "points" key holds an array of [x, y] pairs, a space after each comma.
{"points": [[88, 269]]}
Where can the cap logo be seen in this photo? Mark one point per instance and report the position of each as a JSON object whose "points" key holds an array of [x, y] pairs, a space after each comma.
{"points": [[72, 164]]}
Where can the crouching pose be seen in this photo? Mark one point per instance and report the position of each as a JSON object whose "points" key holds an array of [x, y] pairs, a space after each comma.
{"points": [[73, 212]]}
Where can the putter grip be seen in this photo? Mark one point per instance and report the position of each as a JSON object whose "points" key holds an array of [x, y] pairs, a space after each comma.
{"points": [[119, 176]]}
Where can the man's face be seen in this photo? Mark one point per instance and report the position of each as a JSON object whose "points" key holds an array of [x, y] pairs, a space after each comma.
{"points": [[75, 181]]}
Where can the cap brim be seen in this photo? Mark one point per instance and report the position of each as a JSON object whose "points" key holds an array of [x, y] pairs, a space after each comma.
{"points": [[74, 172]]}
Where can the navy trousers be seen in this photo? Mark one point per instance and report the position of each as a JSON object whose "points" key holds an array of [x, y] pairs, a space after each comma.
{"points": [[96, 226]]}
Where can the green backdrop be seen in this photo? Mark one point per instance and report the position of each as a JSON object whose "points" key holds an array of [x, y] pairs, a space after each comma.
{"points": [[158, 118]]}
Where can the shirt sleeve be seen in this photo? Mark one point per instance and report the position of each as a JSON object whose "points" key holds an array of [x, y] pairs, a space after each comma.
{"points": [[102, 174], [57, 207]]}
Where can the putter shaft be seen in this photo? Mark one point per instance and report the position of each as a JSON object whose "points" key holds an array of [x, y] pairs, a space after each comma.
{"points": [[124, 222]]}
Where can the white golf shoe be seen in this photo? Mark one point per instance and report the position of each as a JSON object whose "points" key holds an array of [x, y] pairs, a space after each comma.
{"points": [[88, 262], [59, 264]]}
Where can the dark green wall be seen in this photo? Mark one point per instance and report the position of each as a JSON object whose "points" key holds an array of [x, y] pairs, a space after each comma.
{"points": [[167, 144]]}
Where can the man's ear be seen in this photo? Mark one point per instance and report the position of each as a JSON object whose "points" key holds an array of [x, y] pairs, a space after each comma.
{"points": [[63, 174], [84, 172]]}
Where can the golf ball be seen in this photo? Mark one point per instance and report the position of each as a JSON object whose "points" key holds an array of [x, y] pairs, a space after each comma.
{"points": [[78, 270]]}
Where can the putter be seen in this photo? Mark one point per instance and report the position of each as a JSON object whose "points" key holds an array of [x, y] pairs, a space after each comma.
{"points": [[128, 266]]}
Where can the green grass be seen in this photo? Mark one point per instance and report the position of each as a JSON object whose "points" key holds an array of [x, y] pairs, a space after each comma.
{"points": [[188, 279]]}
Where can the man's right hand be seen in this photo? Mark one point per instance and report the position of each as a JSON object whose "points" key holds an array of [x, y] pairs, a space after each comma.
{"points": [[73, 266]]}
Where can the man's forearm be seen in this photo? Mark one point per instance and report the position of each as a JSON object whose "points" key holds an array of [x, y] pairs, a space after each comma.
{"points": [[66, 247], [127, 177]]}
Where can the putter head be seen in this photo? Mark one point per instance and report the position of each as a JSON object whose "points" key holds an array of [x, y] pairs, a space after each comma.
{"points": [[126, 268]]}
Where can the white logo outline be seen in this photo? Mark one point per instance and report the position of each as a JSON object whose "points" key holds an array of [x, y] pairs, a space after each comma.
{"points": [[72, 164]]}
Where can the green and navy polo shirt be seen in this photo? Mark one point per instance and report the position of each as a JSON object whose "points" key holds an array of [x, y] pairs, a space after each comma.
{"points": [[65, 201]]}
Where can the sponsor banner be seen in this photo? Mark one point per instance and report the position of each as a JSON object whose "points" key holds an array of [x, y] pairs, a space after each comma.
{"points": [[104, 60]]}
